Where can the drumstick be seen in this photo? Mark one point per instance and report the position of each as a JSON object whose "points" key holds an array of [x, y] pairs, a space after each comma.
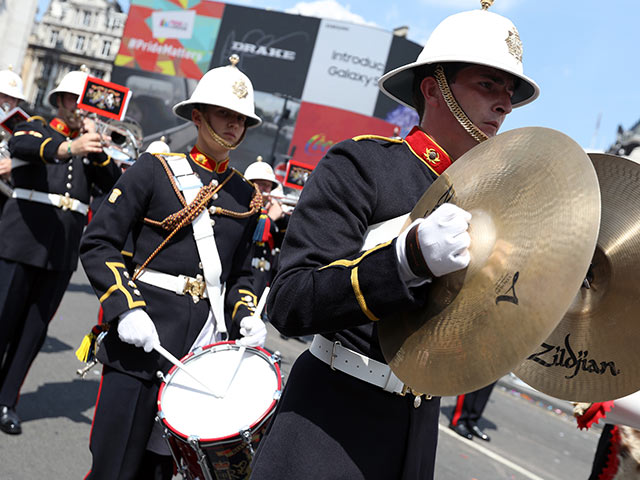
{"points": [[166, 354], [241, 350]]}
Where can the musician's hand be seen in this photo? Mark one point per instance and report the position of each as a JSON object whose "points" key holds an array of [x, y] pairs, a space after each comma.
{"points": [[87, 143], [88, 125], [274, 210], [442, 241], [137, 328], [5, 166], [253, 331]]}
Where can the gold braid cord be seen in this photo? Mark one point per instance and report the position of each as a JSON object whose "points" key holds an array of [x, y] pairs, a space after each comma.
{"points": [[477, 134], [188, 214]]}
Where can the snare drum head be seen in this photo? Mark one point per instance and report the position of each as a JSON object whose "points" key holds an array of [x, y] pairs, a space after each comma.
{"points": [[188, 409]]}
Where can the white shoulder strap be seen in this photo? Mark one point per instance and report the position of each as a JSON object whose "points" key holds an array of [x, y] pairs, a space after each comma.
{"points": [[189, 184]]}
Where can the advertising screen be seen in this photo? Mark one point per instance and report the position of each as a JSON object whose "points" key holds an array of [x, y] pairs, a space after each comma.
{"points": [[274, 48], [171, 37], [345, 66], [320, 127]]}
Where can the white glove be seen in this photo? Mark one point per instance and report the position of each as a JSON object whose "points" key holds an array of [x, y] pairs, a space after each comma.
{"points": [[137, 328], [444, 242], [253, 331]]}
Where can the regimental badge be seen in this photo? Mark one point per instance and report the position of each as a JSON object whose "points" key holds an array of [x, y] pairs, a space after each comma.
{"points": [[432, 156], [240, 89], [115, 193], [514, 44], [13, 83]]}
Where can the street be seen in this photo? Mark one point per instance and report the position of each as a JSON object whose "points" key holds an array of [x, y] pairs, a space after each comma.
{"points": [[529, 439]]}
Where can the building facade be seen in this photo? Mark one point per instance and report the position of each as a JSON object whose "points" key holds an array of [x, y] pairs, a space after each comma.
{"points": [[16, 21], [71, 33]]}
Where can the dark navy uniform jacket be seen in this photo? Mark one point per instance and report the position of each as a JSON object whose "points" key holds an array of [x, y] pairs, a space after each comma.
{"points": [[42, 235], [144, 191], [325, 284]]}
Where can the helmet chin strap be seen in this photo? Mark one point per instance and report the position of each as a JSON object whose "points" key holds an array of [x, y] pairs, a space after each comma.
{"points": [[221, 141], [477, 134]]}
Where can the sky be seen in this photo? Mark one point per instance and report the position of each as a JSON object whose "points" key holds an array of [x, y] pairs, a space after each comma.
{"points": [[584, 54]]}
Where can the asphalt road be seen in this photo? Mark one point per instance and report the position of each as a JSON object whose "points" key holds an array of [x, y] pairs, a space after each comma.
{"points": [[530, 439]]}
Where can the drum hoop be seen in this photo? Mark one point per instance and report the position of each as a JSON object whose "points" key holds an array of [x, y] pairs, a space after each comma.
{"points": [[231, 437]]}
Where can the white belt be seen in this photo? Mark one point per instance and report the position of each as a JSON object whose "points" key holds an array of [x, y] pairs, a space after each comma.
{"points": [[179, 284], [355, 364], [61, 201]]}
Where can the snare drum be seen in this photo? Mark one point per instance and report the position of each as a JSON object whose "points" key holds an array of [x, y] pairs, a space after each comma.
{"points": [[214, 438]]}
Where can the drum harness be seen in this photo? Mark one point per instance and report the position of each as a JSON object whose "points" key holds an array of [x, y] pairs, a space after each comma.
{"points": [[196, 197]]}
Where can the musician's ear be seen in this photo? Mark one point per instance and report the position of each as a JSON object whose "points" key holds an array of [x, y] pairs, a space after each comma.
{"points": [[196, 117]]}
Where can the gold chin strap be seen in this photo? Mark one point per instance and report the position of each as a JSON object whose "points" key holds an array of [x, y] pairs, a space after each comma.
{"points": [[221, 141], [477, 134]]}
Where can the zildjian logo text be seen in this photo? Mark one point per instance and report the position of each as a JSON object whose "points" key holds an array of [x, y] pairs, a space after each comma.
{"points": [[566, 357]]}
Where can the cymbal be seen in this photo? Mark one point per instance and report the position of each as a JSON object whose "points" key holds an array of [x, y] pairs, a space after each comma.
{"points": [[535, 201], [593, 355]]}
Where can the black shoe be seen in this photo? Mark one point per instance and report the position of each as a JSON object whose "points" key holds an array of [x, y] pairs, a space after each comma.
{"points": [[462, 430], [475, 429], [9, 421]]}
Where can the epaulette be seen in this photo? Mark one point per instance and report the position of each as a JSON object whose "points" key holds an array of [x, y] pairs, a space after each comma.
{"points": [[37, 117], [170, 154], [241, 176], [377, 137]]}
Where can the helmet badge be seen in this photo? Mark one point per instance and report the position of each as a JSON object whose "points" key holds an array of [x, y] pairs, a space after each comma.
{"points": [[240, 89], [514, 44], [13, 83]]}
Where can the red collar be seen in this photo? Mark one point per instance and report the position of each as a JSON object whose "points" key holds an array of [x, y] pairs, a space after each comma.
{"points": [[60, 126], [207, 162], [427, 150]]}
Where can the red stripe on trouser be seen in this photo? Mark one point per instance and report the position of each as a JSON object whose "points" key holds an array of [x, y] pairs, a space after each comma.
{"points": [[94, 414], [458, 411]]}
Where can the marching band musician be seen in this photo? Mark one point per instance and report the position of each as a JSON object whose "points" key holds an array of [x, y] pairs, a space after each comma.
{"points": [[272, 222], [54, 167], [10, 95], [335, 419], [192, 218]]}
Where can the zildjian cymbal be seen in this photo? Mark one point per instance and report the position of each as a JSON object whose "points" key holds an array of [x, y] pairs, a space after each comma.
{"points": [[593, 355], [535, 201]]}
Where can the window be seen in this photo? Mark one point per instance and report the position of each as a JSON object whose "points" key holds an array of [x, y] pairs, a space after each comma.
{"points": [[53, 37], [106, 48], [80, 43], [86, 18]]}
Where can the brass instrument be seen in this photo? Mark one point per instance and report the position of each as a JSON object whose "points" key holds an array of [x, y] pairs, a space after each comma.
{"points": [[5, 186], [121, 139]]}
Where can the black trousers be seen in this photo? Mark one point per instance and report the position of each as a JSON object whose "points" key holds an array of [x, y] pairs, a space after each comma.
{"points": [[123, 420], [331, 426], [29, 297], [469, 407]]}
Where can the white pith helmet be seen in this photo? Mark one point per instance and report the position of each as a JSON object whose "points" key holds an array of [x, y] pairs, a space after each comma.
{"points": [[225, 87], [11, 84], [158, 146], [260, 170], [478, 37], [73, 82]]}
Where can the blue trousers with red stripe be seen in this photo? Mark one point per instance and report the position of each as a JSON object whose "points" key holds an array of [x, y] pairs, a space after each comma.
{"points": [[469, 407]]}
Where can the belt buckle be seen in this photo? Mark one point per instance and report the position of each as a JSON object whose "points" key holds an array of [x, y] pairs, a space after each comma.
{"points": [[194, 287], [417, 400], [66, 202]]}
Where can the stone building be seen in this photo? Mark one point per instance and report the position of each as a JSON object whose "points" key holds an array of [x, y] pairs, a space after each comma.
{"points": [[71, 33], [16, 21]]}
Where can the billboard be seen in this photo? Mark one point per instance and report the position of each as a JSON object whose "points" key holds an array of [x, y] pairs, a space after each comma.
{"points": [[274, 48], [402, 52], [172, 37], [319, 127], [345, 67]]}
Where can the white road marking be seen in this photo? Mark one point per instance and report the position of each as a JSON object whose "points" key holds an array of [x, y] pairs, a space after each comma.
{"points": [[490, 454]]}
